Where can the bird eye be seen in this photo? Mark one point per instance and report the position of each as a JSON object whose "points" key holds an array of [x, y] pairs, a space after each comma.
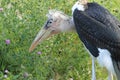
{"points": [[119, 25], [50, 21]]}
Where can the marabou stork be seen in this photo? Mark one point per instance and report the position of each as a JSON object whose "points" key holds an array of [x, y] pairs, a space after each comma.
{"points": [[97, 29]]}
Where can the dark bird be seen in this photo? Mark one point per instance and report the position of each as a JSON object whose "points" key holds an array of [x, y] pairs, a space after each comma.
{"points": [[99, 31], [97, 28]]}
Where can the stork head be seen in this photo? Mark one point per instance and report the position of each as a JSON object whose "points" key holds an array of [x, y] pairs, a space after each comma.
{"points": [[57, 22]]}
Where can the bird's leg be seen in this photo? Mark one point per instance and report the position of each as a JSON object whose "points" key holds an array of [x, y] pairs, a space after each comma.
{"points": [[93, 69], [110, 76]]}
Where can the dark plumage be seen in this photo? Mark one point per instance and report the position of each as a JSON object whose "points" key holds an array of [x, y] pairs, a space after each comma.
{"points": [[97, 28]]}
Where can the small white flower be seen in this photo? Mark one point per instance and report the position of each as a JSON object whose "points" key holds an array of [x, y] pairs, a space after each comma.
{"points": [[71, 79], [6, 71], [9, 6], [19, 15], [5, 76], [1, 9], [25, 75]]}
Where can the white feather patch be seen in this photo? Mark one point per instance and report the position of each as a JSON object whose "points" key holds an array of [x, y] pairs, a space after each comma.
{"points": [[105, 60], [78, 6]]}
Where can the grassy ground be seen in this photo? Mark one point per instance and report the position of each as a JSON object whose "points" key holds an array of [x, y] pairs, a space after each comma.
{"points": [[62, 56]]}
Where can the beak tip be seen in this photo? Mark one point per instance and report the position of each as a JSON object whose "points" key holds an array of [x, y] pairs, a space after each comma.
{"points": [[31, 48], [42, 35]]}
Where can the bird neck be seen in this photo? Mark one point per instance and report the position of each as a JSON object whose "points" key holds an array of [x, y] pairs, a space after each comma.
{"points": [[71, 25], [68, 25]]}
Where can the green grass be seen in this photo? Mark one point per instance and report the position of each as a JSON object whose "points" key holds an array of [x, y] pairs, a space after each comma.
{"points": [[63, 56]]}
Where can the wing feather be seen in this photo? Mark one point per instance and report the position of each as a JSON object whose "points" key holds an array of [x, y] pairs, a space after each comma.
{"points": [[95, 30]]}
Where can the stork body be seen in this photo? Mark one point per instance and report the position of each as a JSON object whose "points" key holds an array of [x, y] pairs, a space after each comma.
{"points": [[100, 33]]}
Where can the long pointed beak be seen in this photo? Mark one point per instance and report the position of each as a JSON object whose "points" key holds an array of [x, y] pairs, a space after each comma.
{"points": [[41, 36]]}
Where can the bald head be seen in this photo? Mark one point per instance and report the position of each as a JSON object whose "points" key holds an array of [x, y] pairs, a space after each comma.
{"points": [[57, 22]]}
